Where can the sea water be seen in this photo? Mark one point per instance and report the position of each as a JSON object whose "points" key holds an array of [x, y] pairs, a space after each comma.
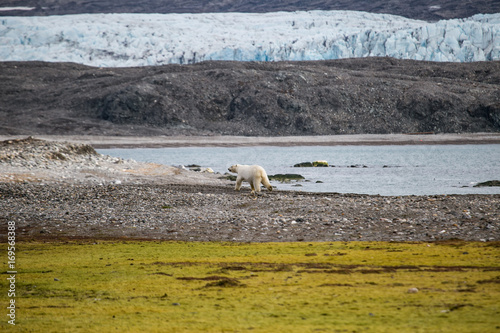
{"points": [[384, 170]]}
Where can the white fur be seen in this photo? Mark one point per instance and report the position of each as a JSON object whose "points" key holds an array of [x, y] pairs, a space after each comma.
{"points": [[253, 174]]}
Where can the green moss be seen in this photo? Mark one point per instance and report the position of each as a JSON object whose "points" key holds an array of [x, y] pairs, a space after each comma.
{"points": [[320, 163], [284, 287]]}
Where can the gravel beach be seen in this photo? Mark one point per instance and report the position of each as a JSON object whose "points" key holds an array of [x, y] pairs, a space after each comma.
{"points": [[55, 190]]}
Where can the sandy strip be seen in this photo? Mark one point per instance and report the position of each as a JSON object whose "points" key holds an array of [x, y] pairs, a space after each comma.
{"points": [[242, 141]]}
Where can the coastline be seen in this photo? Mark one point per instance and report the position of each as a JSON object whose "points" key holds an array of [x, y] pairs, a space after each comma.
{"points": [[284, 141], [97, 196]]}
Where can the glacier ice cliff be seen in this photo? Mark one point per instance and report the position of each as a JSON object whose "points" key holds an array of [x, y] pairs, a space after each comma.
{"points": [[124, 40]]}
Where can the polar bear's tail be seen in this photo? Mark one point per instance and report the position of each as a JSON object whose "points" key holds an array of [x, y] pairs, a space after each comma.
{"points": [[265, 182]]}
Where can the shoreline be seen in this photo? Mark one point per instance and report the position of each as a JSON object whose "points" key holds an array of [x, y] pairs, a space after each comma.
{"points": [[283, 141], [218, 213], [62, 190]]}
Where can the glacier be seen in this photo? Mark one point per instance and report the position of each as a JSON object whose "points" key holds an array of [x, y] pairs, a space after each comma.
{"points": [[125, 40]]}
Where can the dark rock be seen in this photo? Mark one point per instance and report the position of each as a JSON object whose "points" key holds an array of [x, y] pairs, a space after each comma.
{"points": [[230, 177], [303, 165], [286, 177], [489, 183], [194, 167]]}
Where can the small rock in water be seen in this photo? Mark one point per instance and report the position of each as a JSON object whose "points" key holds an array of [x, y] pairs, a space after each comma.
{"points": [[303, 165], [286, 177], [489, 183], [320, 163]]}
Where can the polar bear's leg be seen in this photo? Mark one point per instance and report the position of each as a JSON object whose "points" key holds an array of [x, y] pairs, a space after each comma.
{"points": [[253, 190], [252, 185], [239, 180], [256, 184]]}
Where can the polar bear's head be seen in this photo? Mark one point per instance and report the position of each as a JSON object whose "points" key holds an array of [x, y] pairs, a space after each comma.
{"points": [[233, 168]]}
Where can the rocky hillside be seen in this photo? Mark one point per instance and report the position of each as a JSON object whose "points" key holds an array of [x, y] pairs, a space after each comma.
{"points": [[429, 10], [351, 96]]}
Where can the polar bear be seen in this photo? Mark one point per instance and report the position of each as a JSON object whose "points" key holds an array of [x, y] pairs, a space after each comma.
{"points": [[254, 174]]}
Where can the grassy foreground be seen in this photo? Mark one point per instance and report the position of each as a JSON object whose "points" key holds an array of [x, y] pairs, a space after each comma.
{"points": [[133, 286]]}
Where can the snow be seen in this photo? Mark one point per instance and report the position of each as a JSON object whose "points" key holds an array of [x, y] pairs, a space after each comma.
{"points": [[7, 9], [112, 40]]}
